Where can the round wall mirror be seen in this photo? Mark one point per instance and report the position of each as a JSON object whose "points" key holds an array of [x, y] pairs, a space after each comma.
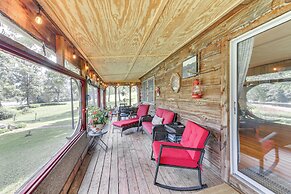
{"points": [[175, 82]]}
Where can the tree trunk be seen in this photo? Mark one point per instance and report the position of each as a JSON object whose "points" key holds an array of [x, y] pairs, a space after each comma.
{"points": [[27, 90], [108, 94], [94, 96], [27, 98], [58, 96]]}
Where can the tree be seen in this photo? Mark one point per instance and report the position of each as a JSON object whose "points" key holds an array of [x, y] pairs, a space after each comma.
{"points": [[28, 81], [8, 89], [54, 85]]}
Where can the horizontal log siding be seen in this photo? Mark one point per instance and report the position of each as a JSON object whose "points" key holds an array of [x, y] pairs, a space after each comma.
{"points": [[212, 48]]}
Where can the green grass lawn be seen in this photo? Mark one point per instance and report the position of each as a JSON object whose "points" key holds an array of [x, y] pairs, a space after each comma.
{"points": [[22, 156]]}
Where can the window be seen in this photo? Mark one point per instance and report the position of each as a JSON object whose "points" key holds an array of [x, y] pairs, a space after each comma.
{"points": [[92, 95], [12, 31], [134, 95], [123, 96], [39, 113], [72, 67], [261, 106], [148, 93], [110, 97]]}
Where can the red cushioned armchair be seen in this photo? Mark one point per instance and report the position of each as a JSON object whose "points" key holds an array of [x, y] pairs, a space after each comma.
{"points": [[133, 122], [186, 154], [168, 118]]}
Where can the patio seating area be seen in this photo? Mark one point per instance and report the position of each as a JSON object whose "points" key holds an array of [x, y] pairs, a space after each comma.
{"points": [[126, 167]]}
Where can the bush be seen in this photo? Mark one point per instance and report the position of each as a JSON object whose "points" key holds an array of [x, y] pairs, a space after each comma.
{"points": [[34, 106], [25, 110], [21, 107], [20, 125], [30, 106], [53, 104], [5, 114]]}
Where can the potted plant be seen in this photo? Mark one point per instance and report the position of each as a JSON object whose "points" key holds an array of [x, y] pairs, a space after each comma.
{"points": [[97, 118]]}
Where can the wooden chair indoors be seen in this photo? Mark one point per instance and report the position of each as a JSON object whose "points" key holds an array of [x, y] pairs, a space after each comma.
{"points": [[188, 153], [132, 122]]}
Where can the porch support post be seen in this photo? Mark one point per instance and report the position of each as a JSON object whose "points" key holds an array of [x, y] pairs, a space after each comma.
{"points": [[138, 93], [98, 98], [84, 102], [129, 95], [60, 50], [104, 98], [115, 93]]}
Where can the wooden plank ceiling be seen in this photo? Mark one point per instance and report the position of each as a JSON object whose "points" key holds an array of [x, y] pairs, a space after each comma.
{"points": [[124, 39]]}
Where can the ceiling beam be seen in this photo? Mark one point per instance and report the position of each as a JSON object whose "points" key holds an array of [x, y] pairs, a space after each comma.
{"points": [[149, 32]]}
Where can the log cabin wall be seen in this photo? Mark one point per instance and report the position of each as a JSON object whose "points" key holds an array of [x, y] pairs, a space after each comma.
{"points": [[212, 48]]}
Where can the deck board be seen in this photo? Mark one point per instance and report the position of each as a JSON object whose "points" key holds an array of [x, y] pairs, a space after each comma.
{"points": [[122, 175], [126, 168]]}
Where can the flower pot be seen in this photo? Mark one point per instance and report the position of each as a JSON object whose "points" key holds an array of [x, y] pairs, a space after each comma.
{"points": [[98, 127]]}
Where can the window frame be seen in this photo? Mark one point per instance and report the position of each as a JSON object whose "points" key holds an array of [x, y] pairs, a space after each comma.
{"points": [[19, 50], [146, 82], [234, 100]]}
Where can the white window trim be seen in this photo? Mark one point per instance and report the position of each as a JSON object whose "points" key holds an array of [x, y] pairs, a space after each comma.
{"points": [[147, 91], [233, 100]]}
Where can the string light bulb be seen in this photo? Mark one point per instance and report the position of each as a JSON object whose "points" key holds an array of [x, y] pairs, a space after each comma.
{"points": [[74, 55], [86, 67], [38, 18]]}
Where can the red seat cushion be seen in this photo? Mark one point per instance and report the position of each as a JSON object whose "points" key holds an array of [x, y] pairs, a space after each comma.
{"points": [[127, 122], [159, 112], [194, 136], [148, 126], [168, 117], [142, 110], [171, 156]]}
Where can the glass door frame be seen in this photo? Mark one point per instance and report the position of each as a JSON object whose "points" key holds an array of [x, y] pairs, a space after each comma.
{"points": [[233, 100]]}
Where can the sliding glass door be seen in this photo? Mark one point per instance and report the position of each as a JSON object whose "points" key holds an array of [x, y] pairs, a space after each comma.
{"points": [[261, 106]]}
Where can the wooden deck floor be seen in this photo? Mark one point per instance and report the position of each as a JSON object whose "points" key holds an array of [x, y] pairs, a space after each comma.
{"points": [[126, 168]]}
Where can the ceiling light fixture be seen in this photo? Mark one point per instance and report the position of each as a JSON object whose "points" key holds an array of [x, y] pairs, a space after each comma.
{"points": [[38, 18]]}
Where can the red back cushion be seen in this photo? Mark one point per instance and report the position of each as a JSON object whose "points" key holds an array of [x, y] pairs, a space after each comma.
{"points": [[194, 136], [159, 112], [168, 117], [142, 110]]}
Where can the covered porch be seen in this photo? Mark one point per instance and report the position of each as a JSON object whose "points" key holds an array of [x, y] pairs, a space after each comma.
{"points": [[224, 66], [126, 167]]}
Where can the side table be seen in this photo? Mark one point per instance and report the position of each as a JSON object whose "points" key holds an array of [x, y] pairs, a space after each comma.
{"points": [[97, 139], [175, 132]]}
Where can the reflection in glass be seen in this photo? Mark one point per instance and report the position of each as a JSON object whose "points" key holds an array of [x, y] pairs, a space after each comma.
{"points": [[123, 96], [264, 112]]}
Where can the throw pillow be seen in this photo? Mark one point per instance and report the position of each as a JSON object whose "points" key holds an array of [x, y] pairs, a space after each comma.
{"points": [[157, 120]]}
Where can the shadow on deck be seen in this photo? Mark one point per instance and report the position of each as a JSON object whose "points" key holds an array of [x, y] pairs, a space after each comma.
{"points": [[126, 167]]}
